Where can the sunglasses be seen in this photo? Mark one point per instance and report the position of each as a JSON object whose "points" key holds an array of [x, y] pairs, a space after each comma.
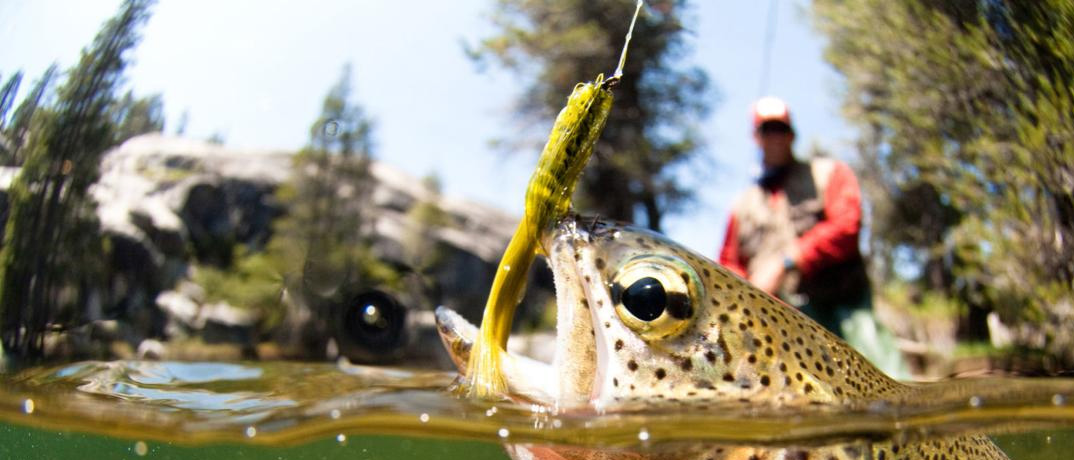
{"points": [[774, 127]]}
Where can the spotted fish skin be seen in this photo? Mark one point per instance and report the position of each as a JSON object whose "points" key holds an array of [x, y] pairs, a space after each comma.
{"points": [[713, 340], [733, 342]]}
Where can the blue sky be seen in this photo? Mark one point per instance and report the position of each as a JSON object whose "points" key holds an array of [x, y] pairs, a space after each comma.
{"points": [[257, 71]]}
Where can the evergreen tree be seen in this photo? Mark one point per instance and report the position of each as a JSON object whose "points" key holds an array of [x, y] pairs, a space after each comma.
{"points": [[323, 242], [135, 116], [52, 245], [7, 96], [16, 129], [556, 44]]}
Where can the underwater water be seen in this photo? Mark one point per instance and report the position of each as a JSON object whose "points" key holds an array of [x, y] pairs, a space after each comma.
{"points": [[136, 409]]}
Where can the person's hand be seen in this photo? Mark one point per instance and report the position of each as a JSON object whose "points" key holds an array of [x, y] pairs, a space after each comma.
{"points": [[768, 275]]}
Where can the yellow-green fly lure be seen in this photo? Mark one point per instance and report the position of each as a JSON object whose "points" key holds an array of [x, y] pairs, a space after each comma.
{"points": [[548, 199]]}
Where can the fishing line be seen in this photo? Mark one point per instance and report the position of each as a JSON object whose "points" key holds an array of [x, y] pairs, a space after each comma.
{"points": [[766, 58]]}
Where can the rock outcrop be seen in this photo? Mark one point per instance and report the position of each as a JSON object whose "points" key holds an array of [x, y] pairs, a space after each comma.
{"points": [[167, 203]]}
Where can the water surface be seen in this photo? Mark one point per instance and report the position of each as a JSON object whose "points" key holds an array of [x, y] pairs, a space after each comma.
{"points": [[123, 409]]}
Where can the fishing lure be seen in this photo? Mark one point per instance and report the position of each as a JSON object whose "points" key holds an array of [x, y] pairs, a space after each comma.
{"points": [[548, 199]]}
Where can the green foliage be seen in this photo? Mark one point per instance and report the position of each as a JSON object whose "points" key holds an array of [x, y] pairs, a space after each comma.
{"points": [[15, 130], [650, 130], [134, 116], [52, 246], [966, 114], [323, 243]]}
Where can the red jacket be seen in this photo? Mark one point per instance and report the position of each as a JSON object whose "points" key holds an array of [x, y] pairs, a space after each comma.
{"points": [[832, 240]]}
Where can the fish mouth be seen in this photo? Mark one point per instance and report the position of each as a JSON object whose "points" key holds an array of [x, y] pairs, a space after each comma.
{"points": [[571, 380]]}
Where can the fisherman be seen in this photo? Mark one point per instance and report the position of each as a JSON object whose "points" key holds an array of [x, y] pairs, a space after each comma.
{"points": [[794, 233]]}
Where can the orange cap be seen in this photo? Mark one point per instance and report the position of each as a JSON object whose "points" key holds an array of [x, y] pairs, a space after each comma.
{"points": [[770, 108]]}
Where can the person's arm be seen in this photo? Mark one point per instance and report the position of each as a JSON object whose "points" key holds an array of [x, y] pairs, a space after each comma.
{"points": [[834, 239], [729, 255]]}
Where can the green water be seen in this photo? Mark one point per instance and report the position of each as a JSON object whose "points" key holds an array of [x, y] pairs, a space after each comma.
{"points": [[141, 409]]}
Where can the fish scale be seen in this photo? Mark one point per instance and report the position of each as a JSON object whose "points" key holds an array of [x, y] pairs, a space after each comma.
{"points": [[725, 343]]}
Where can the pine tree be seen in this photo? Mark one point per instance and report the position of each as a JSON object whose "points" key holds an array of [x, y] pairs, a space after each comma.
{"points": [[556, 44], [52, 245], [16, 129]]}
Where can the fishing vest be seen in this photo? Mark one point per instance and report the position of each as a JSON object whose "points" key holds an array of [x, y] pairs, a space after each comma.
{"points": [[768, 228]]}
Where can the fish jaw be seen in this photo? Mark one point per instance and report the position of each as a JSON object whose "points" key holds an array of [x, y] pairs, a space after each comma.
{"points": [[579, 358], [526, 378]]}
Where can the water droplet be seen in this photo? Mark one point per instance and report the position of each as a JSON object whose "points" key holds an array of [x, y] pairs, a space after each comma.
{"points": [[1058, 399], [331, 128], [334, 414], [341, 438], [503, 433], [643, 435], [140, 448], [28, 406], [424, 418], [251, 432], [975, 401]]}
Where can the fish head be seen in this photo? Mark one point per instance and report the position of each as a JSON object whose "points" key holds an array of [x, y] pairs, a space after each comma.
{"points": [[641, 319]]}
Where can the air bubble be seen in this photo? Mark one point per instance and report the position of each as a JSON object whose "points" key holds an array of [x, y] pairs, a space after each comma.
{"points": [[557, 423], [975, 401], [141, 449], [503, 433], [251, 432], [1059, 400], [490, 412], [331, 128], [28, 406], [424, 418], [643, 435], [334, 414], [341, 438]]}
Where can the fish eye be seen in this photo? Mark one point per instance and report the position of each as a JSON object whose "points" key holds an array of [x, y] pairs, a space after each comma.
{"points": [[654, 294], [646, 299]]}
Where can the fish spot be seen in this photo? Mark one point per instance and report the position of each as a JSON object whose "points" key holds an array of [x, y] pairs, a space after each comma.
{"points": [[727, 377], [709, 355], [618, 344], [585, 303], [732, 307], [724, 318], [615, 382], [764, 380], [661, 373], [632, 365], [720, 342], [706, 272], [687, 364], [600, 263], [808, 388], [607, 325]]}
